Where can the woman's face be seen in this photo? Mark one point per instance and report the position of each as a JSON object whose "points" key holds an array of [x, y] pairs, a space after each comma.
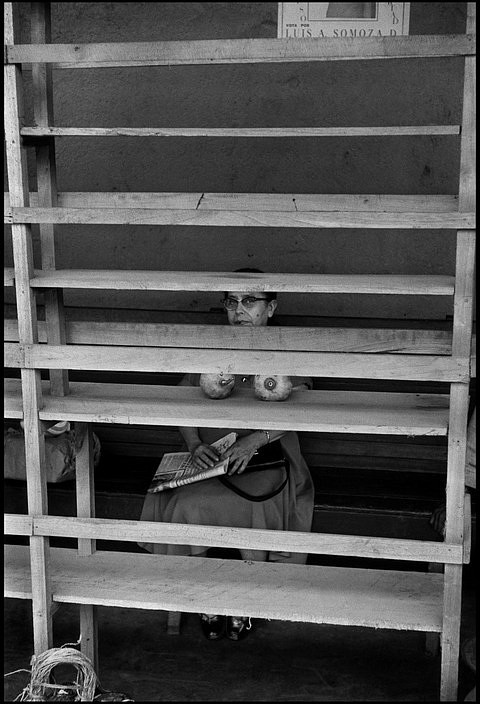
{"points": [[256, 314]]}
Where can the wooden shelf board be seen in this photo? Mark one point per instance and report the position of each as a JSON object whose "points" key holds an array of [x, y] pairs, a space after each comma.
{"points": [[275, 132], [236, 361], [284, 202], [307, 593], [316, 411], [272, 337], [225, 281], [187, 217], [233, 51]]}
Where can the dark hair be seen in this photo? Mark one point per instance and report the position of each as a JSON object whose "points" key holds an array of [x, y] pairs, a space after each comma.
{"points": [[270, 295]]}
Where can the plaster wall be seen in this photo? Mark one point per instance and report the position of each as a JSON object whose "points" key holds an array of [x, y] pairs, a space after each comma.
{"points": [[408, 92]]}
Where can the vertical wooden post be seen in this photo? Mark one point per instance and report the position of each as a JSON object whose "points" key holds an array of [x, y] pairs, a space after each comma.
{"points": [[28, 334], [432, 640], [47, 186], [85, 485], [459, 392]]}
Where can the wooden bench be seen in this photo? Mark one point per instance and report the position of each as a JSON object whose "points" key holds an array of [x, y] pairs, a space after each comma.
{"points": [[373, 598]]}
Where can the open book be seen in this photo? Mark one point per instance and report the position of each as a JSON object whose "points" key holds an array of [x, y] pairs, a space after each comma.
{"points": [[177, 468]]}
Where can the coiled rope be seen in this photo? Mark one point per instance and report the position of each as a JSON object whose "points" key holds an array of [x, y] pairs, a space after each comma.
{"points": [[40, 688]]}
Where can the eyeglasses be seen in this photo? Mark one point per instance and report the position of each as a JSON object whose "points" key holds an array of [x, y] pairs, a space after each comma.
{"points": [[247, 302]]}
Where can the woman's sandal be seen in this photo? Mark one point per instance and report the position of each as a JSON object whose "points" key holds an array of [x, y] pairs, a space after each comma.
{"points": [[213, 627], [238, 627]]}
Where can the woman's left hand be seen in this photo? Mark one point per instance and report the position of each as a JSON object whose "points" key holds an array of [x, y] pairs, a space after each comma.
{"points": [[240, 453]]}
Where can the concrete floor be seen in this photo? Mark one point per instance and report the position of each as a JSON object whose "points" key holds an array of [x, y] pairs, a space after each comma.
{"points": [[278, 662]]}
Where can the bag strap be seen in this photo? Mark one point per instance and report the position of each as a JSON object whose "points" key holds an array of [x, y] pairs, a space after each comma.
{"points": [[261, 497]]}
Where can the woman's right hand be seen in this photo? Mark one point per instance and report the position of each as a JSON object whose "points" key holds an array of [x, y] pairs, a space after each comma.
{"points": [[204, 456]]}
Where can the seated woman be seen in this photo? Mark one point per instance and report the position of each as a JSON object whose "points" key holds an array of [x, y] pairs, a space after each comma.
{"points": [[210, 502]]}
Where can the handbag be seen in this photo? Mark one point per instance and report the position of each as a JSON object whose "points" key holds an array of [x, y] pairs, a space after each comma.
{"points": [[267, 457], [60, 454]]}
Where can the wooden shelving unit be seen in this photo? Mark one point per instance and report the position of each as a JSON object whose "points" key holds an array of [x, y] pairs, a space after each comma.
{"points": [[391, 599]]}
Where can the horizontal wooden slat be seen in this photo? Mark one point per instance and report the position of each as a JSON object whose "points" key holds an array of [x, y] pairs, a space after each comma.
{"points": [[141, 280], [181, 359], [373, 131], [316, 411], [241, 50], [376, 202], [254, 201], [17, 524], [333, 339], [309, 593], [228, 537], [467, 535], [237, 218]]}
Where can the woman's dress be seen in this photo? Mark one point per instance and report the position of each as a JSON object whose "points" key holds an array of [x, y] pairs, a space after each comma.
{"points": [[209, 502]]}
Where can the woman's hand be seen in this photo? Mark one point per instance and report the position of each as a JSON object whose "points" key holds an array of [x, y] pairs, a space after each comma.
{"points": [[204, 456], [240, 453]]}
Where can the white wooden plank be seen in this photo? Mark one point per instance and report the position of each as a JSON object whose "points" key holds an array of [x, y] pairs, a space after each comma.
{"points": [[457, 437], [313, 339], [89, 633], [232, 361], [27, 320], [468, 143], [220, 536], [31, 393], [14, 356], [454, 531], [242, 50], [463, 303], [462, 340], [13, 108], [183, 201], [18, 184], [464, 292], [376, 202], [254, 201], [308, 593], [236, 218], [315, 411], [450, 636], [250, 132], [85, 494], [85, 481], [467, 532], [46, 183], [17, 524], [227, 281], [37, 504]]}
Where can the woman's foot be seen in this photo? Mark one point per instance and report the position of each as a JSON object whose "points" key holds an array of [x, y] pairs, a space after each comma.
{"points": [[213, 627], [238, 627]]}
